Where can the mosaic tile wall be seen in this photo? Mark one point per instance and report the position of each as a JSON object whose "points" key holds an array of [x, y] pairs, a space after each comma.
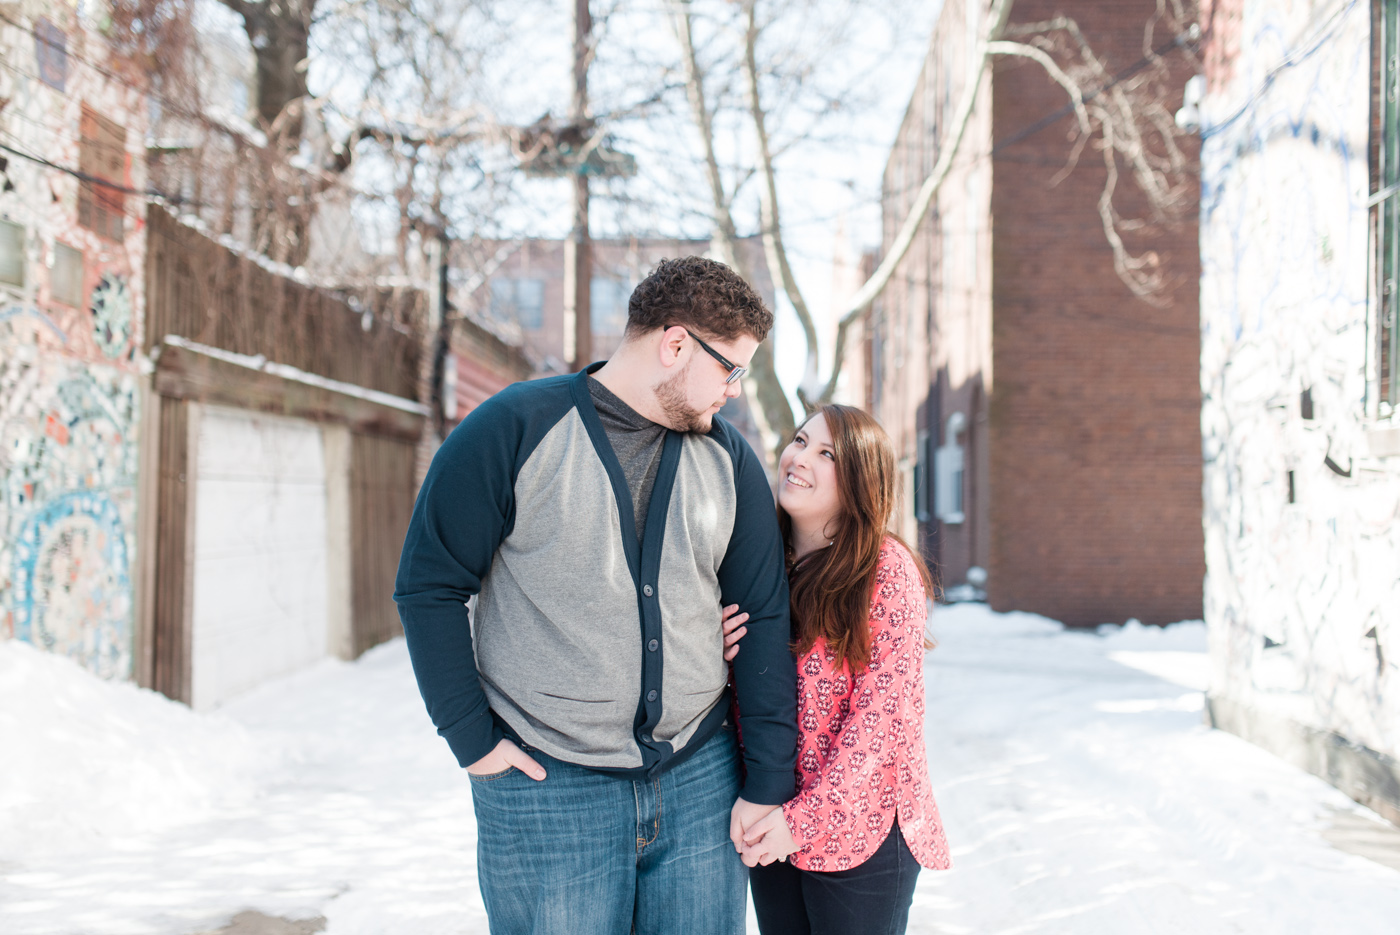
{"points": [[68, 372]]}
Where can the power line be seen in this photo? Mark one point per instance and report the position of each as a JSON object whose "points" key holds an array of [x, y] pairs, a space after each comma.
{"points": [[165, 102], [94, 179]]}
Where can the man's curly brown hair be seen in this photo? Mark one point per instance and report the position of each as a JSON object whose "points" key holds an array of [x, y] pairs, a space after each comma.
{"points": [[700, 294]]}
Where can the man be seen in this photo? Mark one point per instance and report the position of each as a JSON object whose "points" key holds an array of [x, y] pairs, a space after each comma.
{"points": [[602, 519]]}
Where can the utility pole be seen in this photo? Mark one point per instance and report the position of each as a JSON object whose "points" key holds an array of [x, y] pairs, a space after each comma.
{"points": [[578, 249]]}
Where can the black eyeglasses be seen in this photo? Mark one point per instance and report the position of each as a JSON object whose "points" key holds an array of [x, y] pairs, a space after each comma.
{"points": [[735, 371]]}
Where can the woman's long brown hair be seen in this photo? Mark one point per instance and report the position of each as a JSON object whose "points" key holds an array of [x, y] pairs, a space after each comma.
{"points": [[832, 587]]}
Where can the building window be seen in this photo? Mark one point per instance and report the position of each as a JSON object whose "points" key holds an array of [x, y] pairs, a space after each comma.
{"points": [[921, 481], [607, 308], [518, 300], [101, 153], [948, 472], [11, 254], [1386, 203], [66, 277], [51, 54]]}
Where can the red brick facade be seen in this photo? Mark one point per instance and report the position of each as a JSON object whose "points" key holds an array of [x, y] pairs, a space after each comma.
{"points": [[535, 324], [1081, 487]]}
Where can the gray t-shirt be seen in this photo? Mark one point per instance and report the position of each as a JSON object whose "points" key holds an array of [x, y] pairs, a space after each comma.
{"points": [[636, 441]]}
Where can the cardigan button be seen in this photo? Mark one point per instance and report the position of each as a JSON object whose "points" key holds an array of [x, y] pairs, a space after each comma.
{"points": [[651, 695], [646, 589], [653, 645]]}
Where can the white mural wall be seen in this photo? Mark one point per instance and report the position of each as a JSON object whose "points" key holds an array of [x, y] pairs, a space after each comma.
{"points": [[1302, 520]]}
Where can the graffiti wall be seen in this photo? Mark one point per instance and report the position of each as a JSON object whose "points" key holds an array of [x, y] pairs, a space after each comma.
{"points": [[1302, 520], [70, 310]]}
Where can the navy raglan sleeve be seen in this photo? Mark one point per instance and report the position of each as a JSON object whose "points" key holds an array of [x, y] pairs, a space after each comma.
{"points": [[464, 509], [753, 576]]}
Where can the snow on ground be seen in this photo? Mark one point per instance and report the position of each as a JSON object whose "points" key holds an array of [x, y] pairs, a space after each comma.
{"points": [[1081, 792]]}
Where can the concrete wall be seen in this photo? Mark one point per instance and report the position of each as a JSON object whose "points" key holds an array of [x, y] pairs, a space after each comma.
{"points": [[69, 388], [1302, 598]]}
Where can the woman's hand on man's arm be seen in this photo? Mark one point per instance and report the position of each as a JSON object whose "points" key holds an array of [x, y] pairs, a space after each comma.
{"points": [[733, 623]]}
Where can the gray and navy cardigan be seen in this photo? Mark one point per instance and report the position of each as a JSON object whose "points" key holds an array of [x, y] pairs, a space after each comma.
{"points": [[590, 646]]}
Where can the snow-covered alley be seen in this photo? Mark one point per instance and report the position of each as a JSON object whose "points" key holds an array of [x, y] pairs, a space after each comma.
{"points": [[1080, 790]]}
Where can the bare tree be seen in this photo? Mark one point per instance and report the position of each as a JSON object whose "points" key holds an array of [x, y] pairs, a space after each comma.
{"points": [[366, 107], [1124, 117]]}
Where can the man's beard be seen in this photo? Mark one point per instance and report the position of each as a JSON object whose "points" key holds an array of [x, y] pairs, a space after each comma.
{"points": [[670, 395]]}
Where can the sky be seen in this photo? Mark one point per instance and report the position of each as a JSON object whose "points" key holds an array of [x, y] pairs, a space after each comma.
{"points": [[867, 55]]}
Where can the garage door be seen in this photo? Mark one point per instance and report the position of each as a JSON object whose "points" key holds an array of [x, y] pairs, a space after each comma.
{"points": [[259, 607]]}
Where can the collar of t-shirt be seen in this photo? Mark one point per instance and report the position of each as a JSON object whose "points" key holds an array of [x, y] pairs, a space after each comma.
{"points": [[636, 440]]}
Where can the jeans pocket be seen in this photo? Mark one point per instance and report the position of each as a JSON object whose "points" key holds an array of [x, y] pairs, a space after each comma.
{"points": [[490, 776]]}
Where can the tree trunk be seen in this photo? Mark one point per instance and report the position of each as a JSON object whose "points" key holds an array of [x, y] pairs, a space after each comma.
{"points": [[279, 31], [767, 399]]}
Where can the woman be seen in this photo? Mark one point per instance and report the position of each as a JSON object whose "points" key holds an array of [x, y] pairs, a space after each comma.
{"points": [[864, 820]]}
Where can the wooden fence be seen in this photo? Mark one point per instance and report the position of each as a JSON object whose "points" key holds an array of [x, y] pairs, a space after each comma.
{"points": [[204, 292], [382, 490]]}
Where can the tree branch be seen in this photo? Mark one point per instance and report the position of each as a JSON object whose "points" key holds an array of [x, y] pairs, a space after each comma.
{"points": [[767, 401], [695, 92], [773, 248], [1075, 92], [947, 151]]}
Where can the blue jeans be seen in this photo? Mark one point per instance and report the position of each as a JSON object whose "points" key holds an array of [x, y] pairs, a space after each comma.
{"points": [[587, 853]]}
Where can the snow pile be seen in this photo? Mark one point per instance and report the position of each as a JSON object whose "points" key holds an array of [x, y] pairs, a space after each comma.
{"points": [[88, 760], [1176, 653]]}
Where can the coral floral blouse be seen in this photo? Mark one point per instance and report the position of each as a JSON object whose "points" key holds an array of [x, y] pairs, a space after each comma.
{"points": [[861, 764]]}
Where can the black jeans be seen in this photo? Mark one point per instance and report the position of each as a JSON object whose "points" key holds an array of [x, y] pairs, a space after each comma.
{"points": [[871, 899]]}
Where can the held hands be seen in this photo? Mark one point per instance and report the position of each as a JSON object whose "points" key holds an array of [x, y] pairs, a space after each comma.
{"points": [[503, 756], [733, 623], [760, 833]]}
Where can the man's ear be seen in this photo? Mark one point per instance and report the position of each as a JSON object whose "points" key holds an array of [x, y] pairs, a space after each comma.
{"points": [[672, 345]]}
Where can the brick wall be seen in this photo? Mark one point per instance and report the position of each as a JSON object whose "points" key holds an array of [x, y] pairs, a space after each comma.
{"points": [[1095, 418], [1082, 456]]}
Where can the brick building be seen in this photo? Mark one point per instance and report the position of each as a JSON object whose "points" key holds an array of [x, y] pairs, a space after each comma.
{"points": [[480, 365], [516, 289], [1047, 419]]}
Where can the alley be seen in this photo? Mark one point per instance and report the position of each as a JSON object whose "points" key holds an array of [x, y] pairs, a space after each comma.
{"points": [[1081, 792]]}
